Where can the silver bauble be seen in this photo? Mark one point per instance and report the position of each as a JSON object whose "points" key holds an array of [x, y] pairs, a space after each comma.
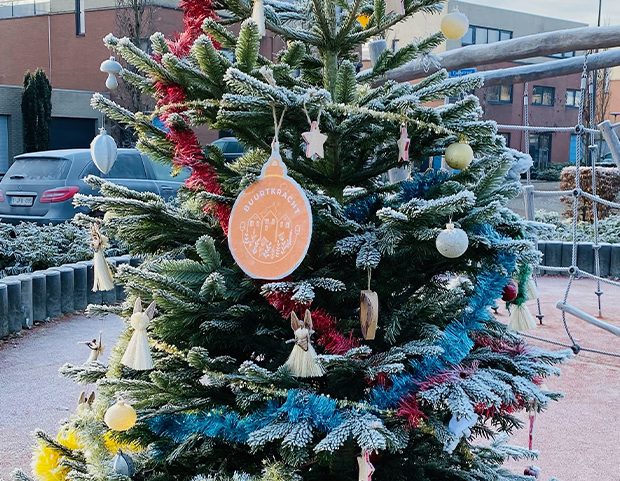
{"points": [[123, 464]]}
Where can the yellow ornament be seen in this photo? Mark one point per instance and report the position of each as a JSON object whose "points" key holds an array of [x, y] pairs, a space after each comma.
{"points": [[113, 445], [363, 19], [120, 416], [47, 461], [459, 155], [454, 25]]}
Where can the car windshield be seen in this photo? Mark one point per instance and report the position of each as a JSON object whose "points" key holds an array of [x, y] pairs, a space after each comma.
{"points": [[229, 146], [37, 168], [164, 172], [220, 144]]}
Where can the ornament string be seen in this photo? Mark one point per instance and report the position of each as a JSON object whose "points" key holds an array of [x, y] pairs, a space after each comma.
{"points": [[318, 117], [277, 123], [531, 430]]}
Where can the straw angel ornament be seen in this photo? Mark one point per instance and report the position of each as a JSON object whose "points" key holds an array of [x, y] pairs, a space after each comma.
{"points": [[96, 348], [303, 361], [101, 270], [85, 403], [138, 353]]}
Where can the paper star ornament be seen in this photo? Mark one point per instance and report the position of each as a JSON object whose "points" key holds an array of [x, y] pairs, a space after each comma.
{"points": [[366, 468], [397, 6], [403, 145], [315, 140]]}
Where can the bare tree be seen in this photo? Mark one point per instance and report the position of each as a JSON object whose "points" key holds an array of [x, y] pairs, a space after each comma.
{"points": [[135, 20]]}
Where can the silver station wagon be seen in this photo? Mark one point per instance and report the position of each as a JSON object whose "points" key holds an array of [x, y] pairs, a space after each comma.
{"points": [[39, 186]]}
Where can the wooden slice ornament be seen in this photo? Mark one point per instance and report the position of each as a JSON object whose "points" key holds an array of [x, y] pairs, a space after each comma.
{"points": [[271, 223], [369, 311]]}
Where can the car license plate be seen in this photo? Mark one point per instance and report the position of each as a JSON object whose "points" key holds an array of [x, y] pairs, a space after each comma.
{"points": [[22, 201]]}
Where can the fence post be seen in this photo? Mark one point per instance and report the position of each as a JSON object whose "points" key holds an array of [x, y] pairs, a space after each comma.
{"points": [[528, 201]]}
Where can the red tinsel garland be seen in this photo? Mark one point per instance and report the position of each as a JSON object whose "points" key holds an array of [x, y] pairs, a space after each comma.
{"points": [[194, 14], [324, 324], [187, 150], [458, 373], [503, 346], [409, 409]]}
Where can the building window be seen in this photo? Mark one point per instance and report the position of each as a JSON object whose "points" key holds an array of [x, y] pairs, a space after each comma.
{"points": [[461, 96], [573, 98], [395, 45], [477, 35], [543, 95], [80, 27], [540, 149], [23, 8], [500, 94], [563, 55], [506, 136]]}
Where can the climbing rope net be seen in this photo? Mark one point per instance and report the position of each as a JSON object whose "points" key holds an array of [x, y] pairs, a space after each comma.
{"points": [[581, 131]]}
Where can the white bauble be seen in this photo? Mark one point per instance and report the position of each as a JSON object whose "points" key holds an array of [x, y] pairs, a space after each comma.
{"points": [[111, 83], [452, 242], [112, 68], [459, 155], [103, 151], [454, 25], [120, 416]]}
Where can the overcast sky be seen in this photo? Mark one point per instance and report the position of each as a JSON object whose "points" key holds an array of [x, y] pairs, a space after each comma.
{"points": [[579, 10]]}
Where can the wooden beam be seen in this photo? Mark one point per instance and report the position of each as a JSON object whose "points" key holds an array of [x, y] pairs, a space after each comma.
{"points": [[553, 68], [587, 317], [539, 45], [610, 136]]}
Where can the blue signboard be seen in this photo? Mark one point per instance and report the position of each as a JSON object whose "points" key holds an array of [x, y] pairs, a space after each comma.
{"points": [[462, 72]]}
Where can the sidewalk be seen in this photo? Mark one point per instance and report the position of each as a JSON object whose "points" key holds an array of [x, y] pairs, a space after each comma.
{"points": [[32, 394], [577, 437]]}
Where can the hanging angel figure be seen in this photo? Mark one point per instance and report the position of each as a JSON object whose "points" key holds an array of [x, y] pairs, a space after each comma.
{"points": [[96, 348], [138, 353], [103, 279], [303, 361], [85, 403]]}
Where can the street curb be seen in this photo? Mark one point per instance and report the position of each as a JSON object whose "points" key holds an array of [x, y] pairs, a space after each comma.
{"points": [[49, 293]]}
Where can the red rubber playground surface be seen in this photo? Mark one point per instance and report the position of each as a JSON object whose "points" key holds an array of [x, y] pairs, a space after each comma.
{"points": [[577, 437]]}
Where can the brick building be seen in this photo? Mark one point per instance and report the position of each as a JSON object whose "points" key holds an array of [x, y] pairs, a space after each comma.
{"points": [[64, 37], [552, 102]]}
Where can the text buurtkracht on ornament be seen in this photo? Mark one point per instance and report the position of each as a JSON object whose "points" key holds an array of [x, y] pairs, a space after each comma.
{"points": [[271, 223]]}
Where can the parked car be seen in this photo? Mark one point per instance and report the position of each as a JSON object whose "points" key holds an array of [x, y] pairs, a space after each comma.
{"points": [[39, 186], [231, 147]]}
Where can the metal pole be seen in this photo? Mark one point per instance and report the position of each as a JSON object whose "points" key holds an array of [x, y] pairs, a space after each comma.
{"points": [[595, 73]]}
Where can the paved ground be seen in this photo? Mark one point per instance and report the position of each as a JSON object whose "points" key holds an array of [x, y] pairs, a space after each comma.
{"points": [[550, 204], [32, 394], [577, 437]]}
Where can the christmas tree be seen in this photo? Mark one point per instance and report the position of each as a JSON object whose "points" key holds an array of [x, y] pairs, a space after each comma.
{"points": [[416, 382]]}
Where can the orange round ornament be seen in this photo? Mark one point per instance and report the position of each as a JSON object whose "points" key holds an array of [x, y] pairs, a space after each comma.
{"points": [[270, 224]]}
